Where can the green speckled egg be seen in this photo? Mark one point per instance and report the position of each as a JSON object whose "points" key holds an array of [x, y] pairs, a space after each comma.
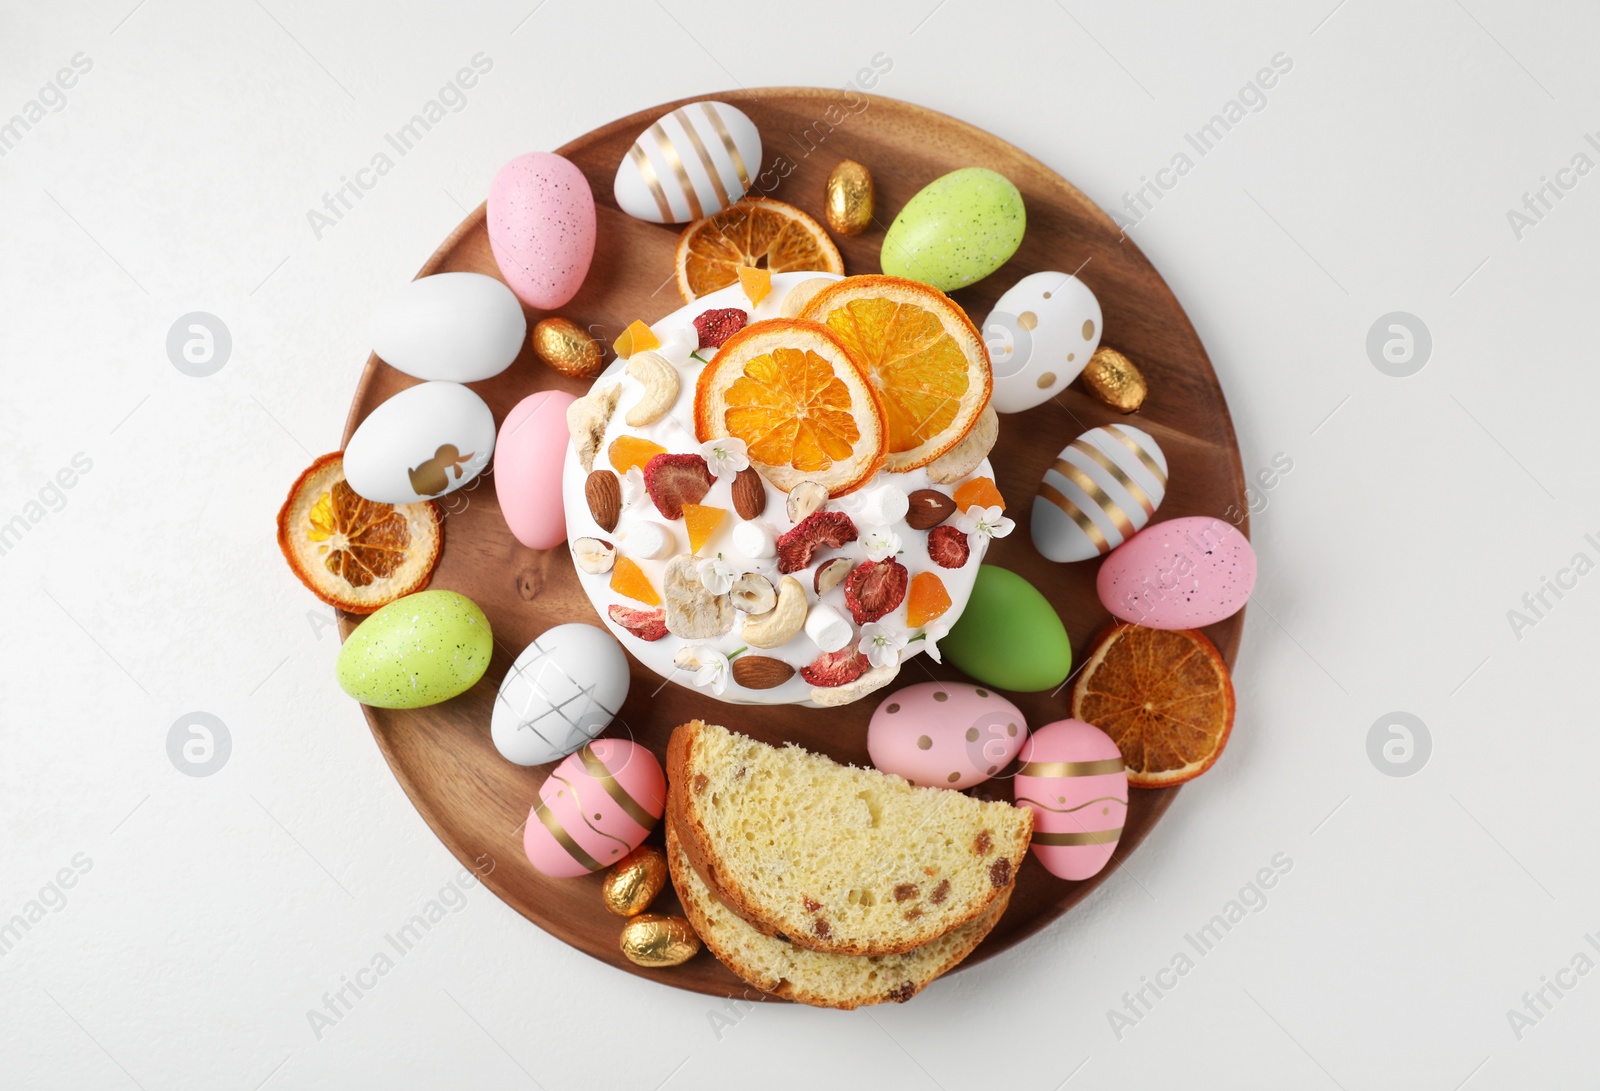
{"points": [[1009, 636], [416, 651], [957, 229]]}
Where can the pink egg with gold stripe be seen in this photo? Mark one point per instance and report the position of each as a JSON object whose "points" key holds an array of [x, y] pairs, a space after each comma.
{"points": [[596, 807], [1073, 780]]}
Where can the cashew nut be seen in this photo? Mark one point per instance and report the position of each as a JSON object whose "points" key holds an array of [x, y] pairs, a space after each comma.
{"points": [[874, 679], [963, 458], [779, 625], [660, 381], [587, 419]]}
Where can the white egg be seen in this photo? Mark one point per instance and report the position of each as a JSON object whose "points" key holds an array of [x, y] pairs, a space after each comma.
{"points": [[1104, 486], [1040, 335], [459, 327], [563, 690], [424, 442], [693, 162]]}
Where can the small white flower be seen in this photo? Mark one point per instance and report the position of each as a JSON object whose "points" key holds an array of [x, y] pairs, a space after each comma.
{"points": [[717, 575], [879, 543], [880, 644], [709, 665], [983, 523], [633, 490], [725, 457], [936, 630]]}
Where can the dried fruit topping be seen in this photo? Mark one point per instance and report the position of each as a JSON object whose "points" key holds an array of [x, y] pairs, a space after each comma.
{"points": [[821, 528], [702, 522], [929, 508], [831, 573], [693, 611], [749, 494], [947, 547], [644, 624], [755, 282], [761, 672], [716, 326], [928, 599], [675, 480], [636, 338], [627, 578], [587, 419], [874, 588], [626, 452], [835, 668], [604, 493], [979, 493]]}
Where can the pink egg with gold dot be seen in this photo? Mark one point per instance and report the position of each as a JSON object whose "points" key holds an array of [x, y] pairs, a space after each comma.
{"points": [[594, 808], [945, 734], [1073, 780]]}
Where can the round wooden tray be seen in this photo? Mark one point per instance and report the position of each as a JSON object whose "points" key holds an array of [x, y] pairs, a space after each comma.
{"points": [[477, 802]]}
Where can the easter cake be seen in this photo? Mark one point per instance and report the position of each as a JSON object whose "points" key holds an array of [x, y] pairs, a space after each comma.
{"points": [[815, 977], [801, 564], [837, 859]]}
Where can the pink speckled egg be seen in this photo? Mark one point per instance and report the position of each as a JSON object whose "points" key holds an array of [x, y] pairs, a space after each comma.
{"points": [[541, 228], [1072, 779], [528, 458], [1181, 574], [595, 808], [945, 734]]}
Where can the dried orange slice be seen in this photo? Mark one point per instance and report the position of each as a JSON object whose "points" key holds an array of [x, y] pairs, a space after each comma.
{"points": [[757, 232], [799, 401], [921, 353], [352, 553], [1165, 698]]}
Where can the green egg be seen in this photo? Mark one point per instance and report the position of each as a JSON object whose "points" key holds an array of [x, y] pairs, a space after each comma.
{"points": [[416, 651], [1009, 636], [957, 230]]}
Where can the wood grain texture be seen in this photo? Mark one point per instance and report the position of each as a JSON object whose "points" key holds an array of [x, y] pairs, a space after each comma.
{"points": [[477, 802]]}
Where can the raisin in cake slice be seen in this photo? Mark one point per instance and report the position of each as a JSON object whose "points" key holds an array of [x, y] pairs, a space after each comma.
{"points": [[837, 859], [815, 977]]}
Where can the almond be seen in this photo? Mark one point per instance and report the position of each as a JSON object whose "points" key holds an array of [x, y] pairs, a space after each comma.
{"points": [[761, 672], [604, 493], [929, 508], [749, 494]]}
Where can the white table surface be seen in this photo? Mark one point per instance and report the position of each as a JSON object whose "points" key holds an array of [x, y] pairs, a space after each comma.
{"points": [[208, 914]]}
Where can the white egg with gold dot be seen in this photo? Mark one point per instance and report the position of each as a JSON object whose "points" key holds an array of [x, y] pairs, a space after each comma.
{"points": [[1040, 335]]}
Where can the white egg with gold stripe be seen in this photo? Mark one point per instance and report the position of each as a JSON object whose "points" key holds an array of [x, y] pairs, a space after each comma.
{"points": [[693, 162], [1104, 486]]}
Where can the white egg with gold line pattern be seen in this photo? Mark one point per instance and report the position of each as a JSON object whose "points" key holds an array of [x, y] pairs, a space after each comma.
{"points": [[693, 162], [563, 690], [1104, 486]]}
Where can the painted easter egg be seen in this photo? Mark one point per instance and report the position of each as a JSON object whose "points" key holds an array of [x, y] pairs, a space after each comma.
{"points": [[958, 229], [529, 456], [1104, 486], [1181, 574], [693, 162], [1073, 780], [594, 808], [1009, 636], [1041, 334], [418, 650], [541, 228], [460, 327], [426, 441], [945, 734], [563, 690]]}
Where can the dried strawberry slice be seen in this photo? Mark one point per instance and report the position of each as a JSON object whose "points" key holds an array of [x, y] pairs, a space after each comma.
{"points": [[675, 480], [716, 326], [821, 528], [947, 547], [644, 624], [838, 668], [874, 588]]}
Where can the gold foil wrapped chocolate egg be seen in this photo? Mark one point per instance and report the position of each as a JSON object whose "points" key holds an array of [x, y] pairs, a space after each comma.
{"points": [[654, 940], [567, 347], [634, 881], [850, 198], [1113, 378]]}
